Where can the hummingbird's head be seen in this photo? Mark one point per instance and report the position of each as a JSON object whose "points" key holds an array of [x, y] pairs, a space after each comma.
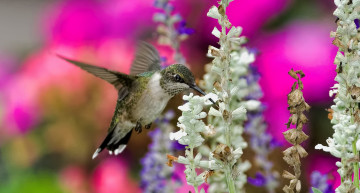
{"points": [[177, 78]]}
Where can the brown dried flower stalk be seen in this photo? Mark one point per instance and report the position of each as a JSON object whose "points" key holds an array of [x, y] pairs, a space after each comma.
{"points": [[295, 136]]}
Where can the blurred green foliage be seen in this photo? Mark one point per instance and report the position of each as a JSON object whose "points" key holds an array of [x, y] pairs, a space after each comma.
{"points": [[31, 182]]}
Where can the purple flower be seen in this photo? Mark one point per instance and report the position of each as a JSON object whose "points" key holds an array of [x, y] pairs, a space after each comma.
{"points": [[182, 29], [320, 182], [259, 180], [297, 46], [164, 4], [156, 176], [357, 23], [261, 142]]}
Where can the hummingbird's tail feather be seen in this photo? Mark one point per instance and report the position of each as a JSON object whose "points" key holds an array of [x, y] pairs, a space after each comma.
{"points": [[98, 150], [113, 147], [119, 146], [103, 144]]}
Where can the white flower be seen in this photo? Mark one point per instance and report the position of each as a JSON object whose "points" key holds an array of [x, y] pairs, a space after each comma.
{"points": [[181, 126], [325, 148], [197, 158], [188, 97], [209, 130], [331, 148], [175, 18], [211, 96], [216, 32], [239, 112], [335, 90], [200, 116], [214, 13], [183, 160], [237, 153], [234, 90], [225, 96], [358, 144], [247, 57], [252, 105], [234, 32], [213, 51], [159, 17], [214, 112], [221, 107], [185, 107], [177, 135], [227, 2]]}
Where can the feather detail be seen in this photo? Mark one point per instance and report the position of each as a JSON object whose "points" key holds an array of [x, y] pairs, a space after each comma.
{"points": [[117, 79], [146, 59]]}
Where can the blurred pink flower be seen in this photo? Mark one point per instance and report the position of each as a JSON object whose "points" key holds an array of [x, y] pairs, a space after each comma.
{"points": [[77, 22], [112, 176], [325, 164], [302, 46], [40, 69], [20, 117], [250, 15], [43, 69]]}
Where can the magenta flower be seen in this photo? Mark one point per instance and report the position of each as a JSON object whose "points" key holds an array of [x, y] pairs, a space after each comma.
{"points": [[21, 94], [19, 118], [77, 22], [112, 176], [43, 70], [325, 164], [250, 15], [302, 45]]}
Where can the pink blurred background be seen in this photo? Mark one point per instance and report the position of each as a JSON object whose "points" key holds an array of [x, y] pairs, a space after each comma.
{"points": [[53, 115]]}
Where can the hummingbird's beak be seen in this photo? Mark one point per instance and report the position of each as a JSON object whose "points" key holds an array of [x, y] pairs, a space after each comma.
{"points": [[200, 91]]}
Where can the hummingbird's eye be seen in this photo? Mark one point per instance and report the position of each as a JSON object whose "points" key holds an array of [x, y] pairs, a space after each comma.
{"points": [[178, 78]]}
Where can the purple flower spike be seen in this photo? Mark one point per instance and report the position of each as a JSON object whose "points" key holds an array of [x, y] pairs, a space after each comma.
{"points": [[182, 29], [259, 180], [261, 142], [155, 174], [275, 143], [320, 181]]}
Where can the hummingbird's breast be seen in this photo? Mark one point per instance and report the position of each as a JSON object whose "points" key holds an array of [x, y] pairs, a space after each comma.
{"points": [[152, 102]]}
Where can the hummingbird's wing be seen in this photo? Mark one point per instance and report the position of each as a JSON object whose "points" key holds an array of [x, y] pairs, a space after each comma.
{"points": [[119, 80], [146, 59]]}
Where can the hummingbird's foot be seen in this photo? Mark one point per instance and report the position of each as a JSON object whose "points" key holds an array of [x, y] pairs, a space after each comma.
{"points": [[148, 126], [138, 128]]}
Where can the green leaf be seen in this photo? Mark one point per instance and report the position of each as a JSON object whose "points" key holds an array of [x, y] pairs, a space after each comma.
{"points": [[315, 190]]}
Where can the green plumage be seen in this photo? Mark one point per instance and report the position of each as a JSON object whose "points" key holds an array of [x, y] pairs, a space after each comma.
{"points": [[136, 91], [142, 95]]}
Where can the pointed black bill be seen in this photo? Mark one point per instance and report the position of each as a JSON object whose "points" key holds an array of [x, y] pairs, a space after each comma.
{"points": [[201, 92]]}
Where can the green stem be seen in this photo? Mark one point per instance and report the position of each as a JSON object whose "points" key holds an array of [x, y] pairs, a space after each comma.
{"points": [[356, 165], [193, 167], [196, 189], [227, 134], [225, 45], [229, 179]]}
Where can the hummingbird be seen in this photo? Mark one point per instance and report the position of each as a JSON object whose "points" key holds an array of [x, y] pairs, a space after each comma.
{"points": [[142, 95]]}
